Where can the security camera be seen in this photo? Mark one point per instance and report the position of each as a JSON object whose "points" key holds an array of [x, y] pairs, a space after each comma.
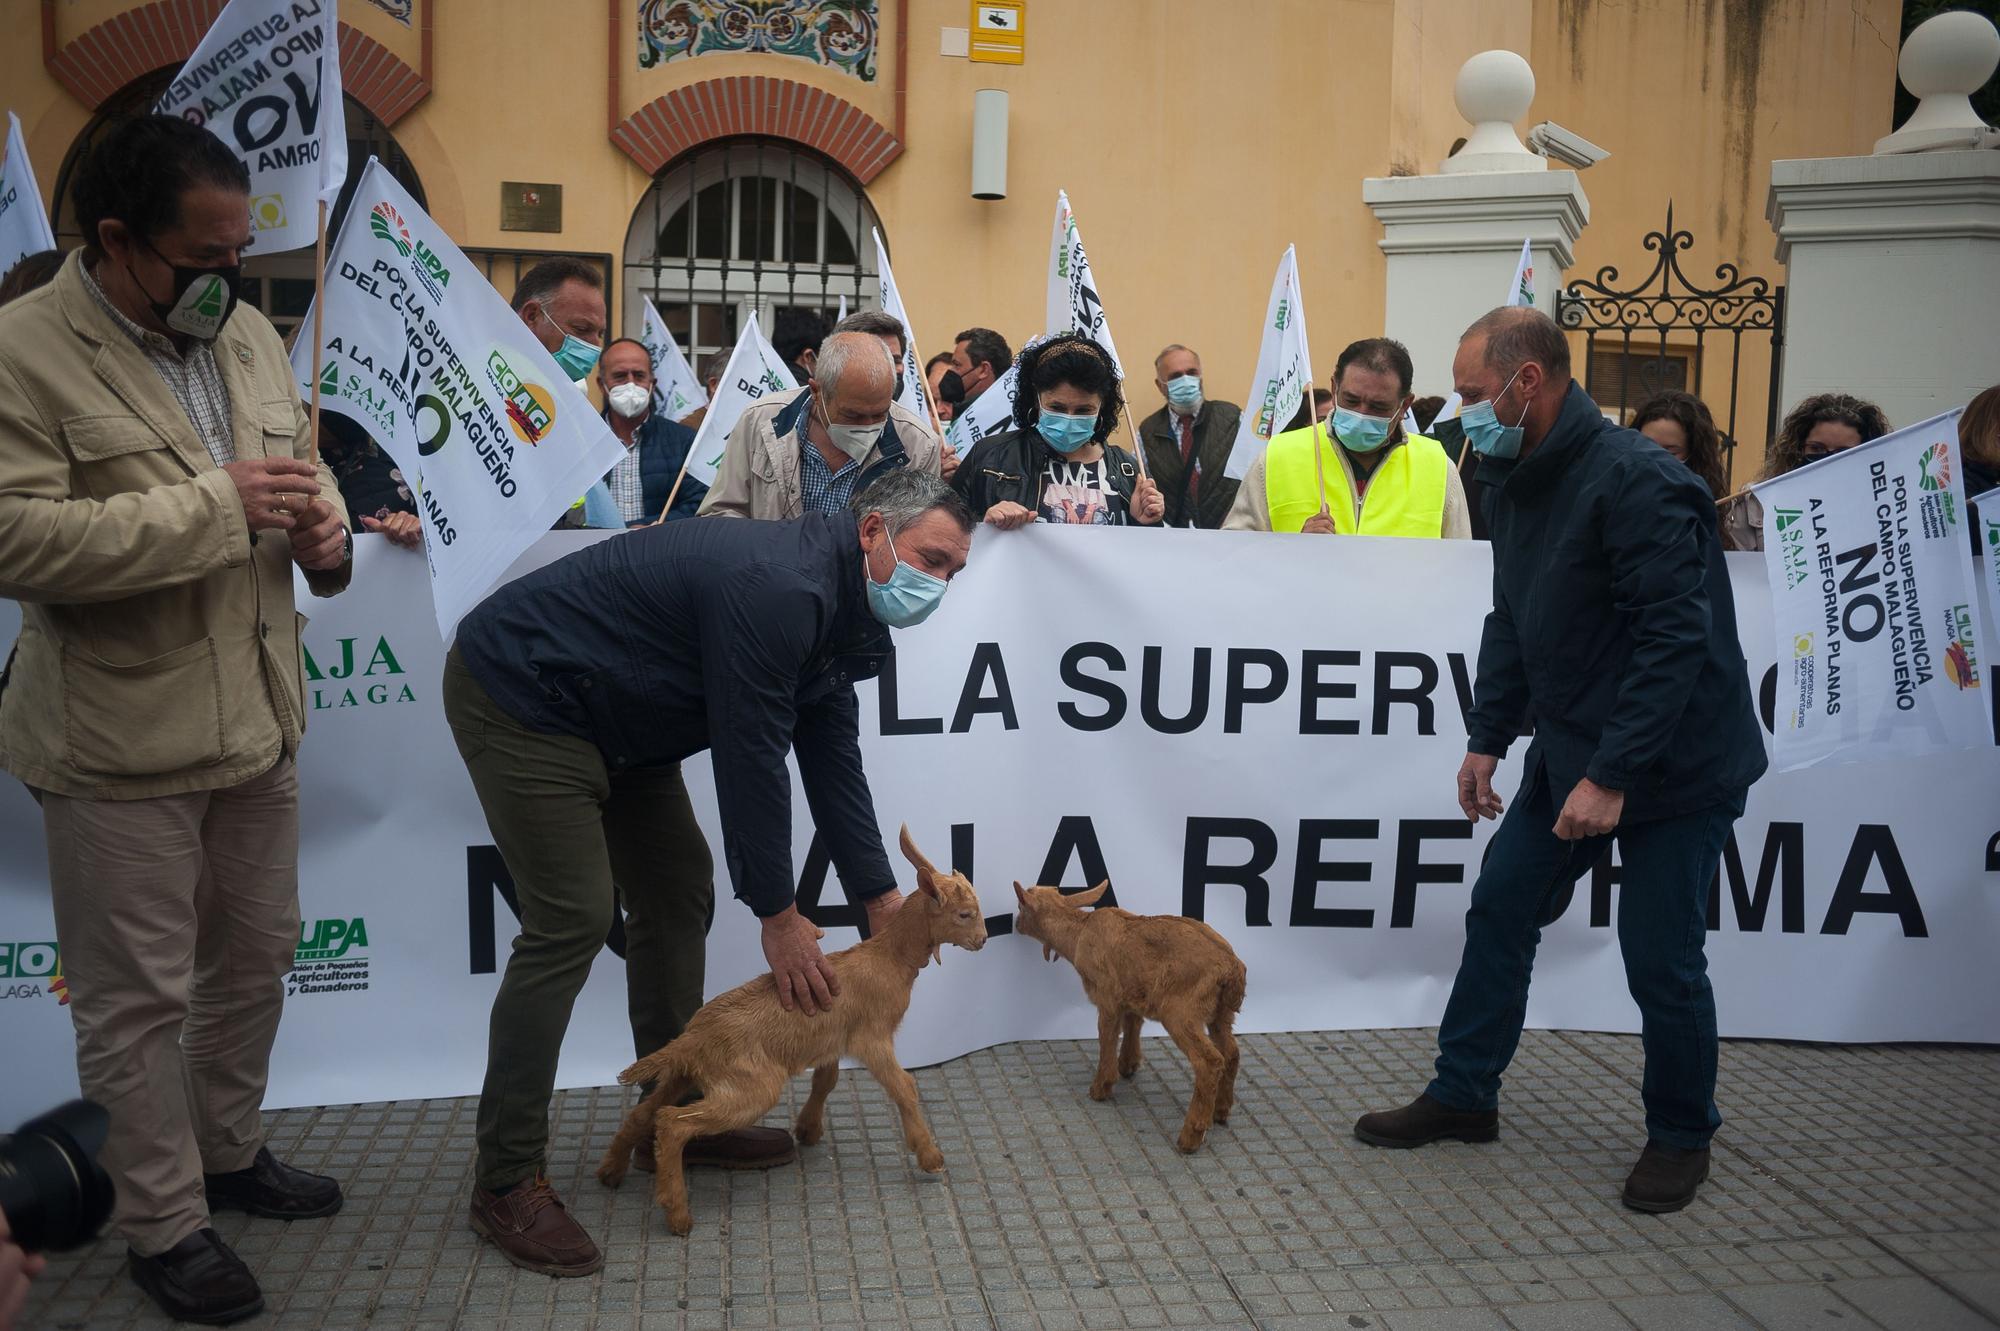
{"points": [[1552, 141]]}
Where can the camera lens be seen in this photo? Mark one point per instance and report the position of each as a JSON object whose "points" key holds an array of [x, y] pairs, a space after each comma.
{"points": [[53, 1191]]}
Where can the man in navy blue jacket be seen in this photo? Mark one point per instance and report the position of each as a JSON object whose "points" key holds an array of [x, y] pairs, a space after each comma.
{"points": [[1613, 619], [575, 692]]}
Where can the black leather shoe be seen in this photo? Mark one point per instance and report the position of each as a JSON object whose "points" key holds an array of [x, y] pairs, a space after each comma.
{"points": [[200, 1280], [1666, 1178], [1425, 1120], [273, 1188]]}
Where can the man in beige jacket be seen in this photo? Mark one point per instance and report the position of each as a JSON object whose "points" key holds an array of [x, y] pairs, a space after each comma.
{"points": [[810, 450], [154, 498]]}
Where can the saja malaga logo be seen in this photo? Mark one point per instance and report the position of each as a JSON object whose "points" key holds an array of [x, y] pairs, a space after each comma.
{"points": [[332, 957], [349, 680], [32, 970]]}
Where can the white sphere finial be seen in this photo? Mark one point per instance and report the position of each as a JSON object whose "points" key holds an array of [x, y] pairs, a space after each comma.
{"points": [[1946, 59], [1494, 89]]}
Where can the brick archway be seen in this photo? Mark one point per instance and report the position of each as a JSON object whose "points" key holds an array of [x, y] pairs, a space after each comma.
{"points": [[686, 118], [130, 45]]}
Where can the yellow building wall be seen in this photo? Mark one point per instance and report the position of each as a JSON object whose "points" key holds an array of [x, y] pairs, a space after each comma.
{"points": [[1196, 139]]}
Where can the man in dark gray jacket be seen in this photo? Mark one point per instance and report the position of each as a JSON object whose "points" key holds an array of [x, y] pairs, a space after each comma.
{"points": [[575, 692], [1613, 618]]}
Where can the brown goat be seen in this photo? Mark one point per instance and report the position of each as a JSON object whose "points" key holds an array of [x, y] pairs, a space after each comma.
{"points": [[1173, 970], [741, 1047]]}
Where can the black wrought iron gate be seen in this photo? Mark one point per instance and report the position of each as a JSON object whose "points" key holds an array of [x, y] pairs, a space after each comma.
{"points": [[1678, 328]]}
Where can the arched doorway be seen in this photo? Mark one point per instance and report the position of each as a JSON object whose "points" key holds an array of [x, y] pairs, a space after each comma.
{"points": [[280, 285], [748, 225]]}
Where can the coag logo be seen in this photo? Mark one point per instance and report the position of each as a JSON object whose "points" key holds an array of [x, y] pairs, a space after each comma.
{"points": [[1790, 525], [1934, 466], [531, 408], [267, 212], [1960, 667], [32, 970], [329, 940], [337, 685], [387, 224]]}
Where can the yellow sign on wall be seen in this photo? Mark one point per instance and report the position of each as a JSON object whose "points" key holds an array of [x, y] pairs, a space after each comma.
{"points": [[999, 32]]}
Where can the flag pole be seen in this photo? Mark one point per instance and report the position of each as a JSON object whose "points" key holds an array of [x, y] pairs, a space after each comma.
{"points": [[319, 317], [674, 493], [1319, 460]]}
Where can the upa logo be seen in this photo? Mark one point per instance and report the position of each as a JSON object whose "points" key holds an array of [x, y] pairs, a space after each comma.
{"points": [[1960, 666], [331, 957], [1789, 523], [32, 970], [531, 408], [387, 224], [1934, 466], [431, 273], [348, 681]]}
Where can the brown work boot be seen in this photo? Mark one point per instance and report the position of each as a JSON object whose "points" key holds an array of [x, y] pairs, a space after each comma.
{"points": [[739, 1148], [534, 1230], [1424, 1120], [1666, 1178]]}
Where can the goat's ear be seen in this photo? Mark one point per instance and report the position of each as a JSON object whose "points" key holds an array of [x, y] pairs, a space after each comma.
{"points": [[927, 884], [1020, 895], [926, 871], [1088, 897]]}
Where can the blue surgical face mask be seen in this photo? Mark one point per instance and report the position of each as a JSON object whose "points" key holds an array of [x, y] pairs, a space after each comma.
{"points": [[1184, 391], [1483, 430], [576, 356], [907, 598], [1363, 434], [1065, 434]]}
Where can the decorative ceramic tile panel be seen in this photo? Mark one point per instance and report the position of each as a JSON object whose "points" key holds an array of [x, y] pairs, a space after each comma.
{"points": [[398, 10], [840, 34]]}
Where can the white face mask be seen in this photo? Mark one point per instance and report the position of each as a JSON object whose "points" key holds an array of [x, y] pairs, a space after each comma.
{"points": [[629, 400], [857, 441]]}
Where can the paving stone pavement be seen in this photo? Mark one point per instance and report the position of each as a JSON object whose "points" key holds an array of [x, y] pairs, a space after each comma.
{"points": [[1853, 1187]]}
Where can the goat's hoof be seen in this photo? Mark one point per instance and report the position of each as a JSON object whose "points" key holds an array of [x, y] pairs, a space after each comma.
{"points": [[1100, 1090], [1189, 1142], [679, 1222], [809, 1134], [1125, 1071], [610, 1175], [1222, 1116], [931, 1161]]}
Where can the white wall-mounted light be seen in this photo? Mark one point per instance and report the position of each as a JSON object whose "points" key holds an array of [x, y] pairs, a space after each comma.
{"points": [[989, 144]]}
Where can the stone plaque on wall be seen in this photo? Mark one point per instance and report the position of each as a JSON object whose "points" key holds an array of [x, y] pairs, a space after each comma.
{"points": [[525, 206]]}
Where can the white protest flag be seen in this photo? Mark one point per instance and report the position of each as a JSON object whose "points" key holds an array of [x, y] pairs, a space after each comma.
{"points": [[990, 413], [841, 313], [1073, 303], [1521, 291], [1448, 412], [1872, 597], [266, 81], [755, 370], [1284, 370], [914, 387], [421, 352], [677, 390], [1986, 521], [24, 223]]}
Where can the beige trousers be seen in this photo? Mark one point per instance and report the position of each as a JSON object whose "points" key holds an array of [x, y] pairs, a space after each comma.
{"points": [[177, 918]]}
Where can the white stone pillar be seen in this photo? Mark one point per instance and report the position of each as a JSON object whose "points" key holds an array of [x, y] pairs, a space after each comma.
{"points": [[1892, 289], [1453, 238]]}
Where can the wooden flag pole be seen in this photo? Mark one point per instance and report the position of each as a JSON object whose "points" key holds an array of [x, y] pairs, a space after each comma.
{"points": [[1319, 460], [319, 319], [674, 493]]}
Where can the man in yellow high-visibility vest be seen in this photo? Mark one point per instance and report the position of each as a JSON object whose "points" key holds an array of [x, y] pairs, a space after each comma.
{"points": [[1380, 480]]}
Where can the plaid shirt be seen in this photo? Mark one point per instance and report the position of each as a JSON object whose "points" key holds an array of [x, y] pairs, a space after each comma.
{"points": [[196, 380], [627, 487], [821, 489]]}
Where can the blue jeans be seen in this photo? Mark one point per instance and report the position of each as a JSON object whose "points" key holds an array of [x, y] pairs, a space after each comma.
{"points": [[1666, 869]]}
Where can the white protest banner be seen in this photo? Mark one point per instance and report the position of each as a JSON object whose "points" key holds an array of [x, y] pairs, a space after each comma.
{"points": [[1286, 777], [755, 369], [677, 389], [24, 223], [1873, 589], [1521, 291], [1284, 370], [266, 81], [1073, 305], [914, 387], [422, 353]]}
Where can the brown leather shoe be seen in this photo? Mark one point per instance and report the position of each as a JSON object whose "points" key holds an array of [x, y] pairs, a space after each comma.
{"points": [[534, 1230], [200, 1279], [1666, 1178], [1424, 1120], [739, 1148]]}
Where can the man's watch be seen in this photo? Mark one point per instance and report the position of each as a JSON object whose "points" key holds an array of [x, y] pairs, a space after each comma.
{"points": [[346, 545]]}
